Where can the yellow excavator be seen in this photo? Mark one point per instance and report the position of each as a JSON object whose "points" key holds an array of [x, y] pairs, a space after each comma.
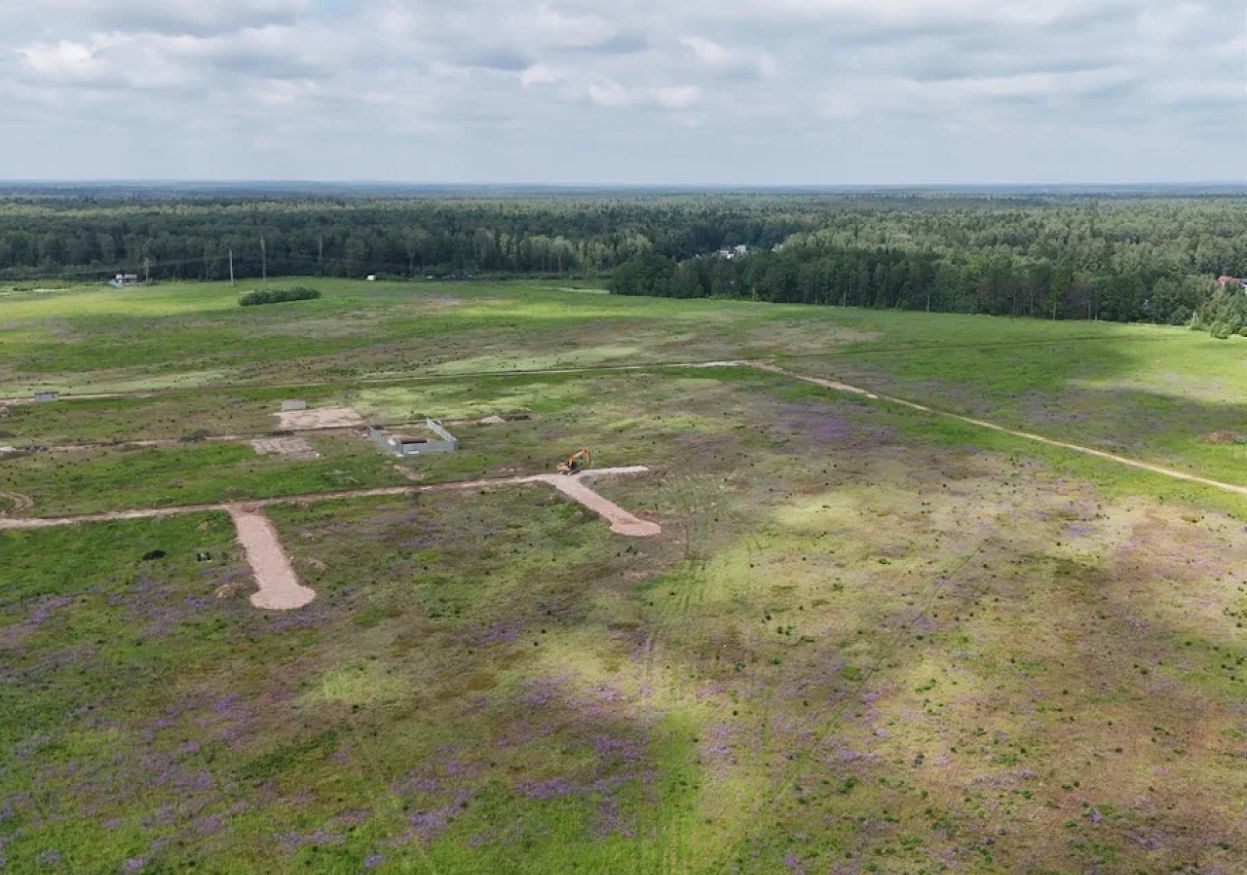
{"points": [[575, 462]]}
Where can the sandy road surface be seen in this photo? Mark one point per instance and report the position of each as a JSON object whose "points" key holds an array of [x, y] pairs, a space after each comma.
{"points": [[279, 586], [622, 522]]}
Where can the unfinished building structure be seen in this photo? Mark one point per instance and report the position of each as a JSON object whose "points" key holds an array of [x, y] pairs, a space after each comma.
{"points": [[439, 440]]}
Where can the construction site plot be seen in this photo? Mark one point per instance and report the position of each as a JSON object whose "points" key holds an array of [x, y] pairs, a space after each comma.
{"points": [[781, 614]]}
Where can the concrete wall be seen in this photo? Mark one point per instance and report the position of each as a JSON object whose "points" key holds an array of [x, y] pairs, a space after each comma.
{"points": [[448, 443]]}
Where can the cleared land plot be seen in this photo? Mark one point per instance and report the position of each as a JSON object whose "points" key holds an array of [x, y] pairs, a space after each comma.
{"points": [[867, 639], [835, 649], [1093, 383]]}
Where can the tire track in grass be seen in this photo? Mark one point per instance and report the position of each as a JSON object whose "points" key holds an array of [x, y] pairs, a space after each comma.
{"points": [[17, 502]]}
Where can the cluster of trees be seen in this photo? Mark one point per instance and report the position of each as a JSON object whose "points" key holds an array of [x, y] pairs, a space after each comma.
{"points": [[1223, 312], [1113, 256], [406, 237], [1123, 259], [882, 277], [256, 297]]}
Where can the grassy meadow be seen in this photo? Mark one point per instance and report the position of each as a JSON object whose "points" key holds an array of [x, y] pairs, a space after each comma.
{"points": [[868, 639]]}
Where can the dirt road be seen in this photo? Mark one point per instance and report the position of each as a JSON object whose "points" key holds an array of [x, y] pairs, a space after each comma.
{"points": [[622, 522], [307, 498], [279, 588]]}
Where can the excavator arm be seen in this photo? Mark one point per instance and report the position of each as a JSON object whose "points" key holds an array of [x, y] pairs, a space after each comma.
{"points": [[575, 461]]}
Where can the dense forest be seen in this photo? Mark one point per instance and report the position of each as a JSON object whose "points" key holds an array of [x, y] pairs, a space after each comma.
{"points": [[1142, 257]]}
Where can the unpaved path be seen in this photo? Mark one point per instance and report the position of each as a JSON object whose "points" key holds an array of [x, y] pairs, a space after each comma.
{"points": [[805, 378], [992, 426], [279, 587], [307, 498], [622, 522]]}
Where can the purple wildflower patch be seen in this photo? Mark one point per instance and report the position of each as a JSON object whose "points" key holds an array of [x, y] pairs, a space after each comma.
{"points": [[496, 634], [619, 748], [608, 821], [551, 788], [206, 826], [542, 691]]}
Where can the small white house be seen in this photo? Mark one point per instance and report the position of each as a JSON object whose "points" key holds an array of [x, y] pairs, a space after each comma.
{"points": [[372, 277]]}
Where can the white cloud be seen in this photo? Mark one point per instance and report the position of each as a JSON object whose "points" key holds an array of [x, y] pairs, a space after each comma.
{"points": [[613, 95], [177, 16], [540, 74], [716, 56], [805, 84], [63, 58]]}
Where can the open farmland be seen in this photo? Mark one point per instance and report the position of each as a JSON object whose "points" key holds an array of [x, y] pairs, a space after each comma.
{"points": [[868, 637]]}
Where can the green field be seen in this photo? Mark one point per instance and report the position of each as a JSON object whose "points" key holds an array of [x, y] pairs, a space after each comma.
{"points": [[869, 639]]}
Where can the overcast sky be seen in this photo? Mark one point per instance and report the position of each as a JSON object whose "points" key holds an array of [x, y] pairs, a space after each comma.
{"points": [[818, 92]]}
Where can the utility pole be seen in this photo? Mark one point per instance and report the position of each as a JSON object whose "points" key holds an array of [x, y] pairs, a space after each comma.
{"points": [[147, 271], [263, 258], [231, 268]]}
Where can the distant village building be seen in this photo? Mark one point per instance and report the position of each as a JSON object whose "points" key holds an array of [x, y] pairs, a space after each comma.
{"points": [[124, 279], [738, 251]]}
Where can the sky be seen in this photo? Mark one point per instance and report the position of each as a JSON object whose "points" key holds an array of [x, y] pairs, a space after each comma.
{"points": [[678, 92]]}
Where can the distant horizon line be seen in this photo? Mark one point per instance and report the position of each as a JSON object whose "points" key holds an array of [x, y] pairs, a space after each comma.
{"points": [[662, 186]]}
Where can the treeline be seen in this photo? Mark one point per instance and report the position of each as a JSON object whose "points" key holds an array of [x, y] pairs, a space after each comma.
{"points": [[397, 238], [1144, 257], [996, 283]]}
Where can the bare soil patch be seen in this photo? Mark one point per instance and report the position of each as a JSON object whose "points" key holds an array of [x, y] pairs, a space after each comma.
{"points": [[280, 589], [1221, 438], [322, 417], [295, 448]]}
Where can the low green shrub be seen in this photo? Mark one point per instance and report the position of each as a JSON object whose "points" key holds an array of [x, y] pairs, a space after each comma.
{"points": [[276, 296]]}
